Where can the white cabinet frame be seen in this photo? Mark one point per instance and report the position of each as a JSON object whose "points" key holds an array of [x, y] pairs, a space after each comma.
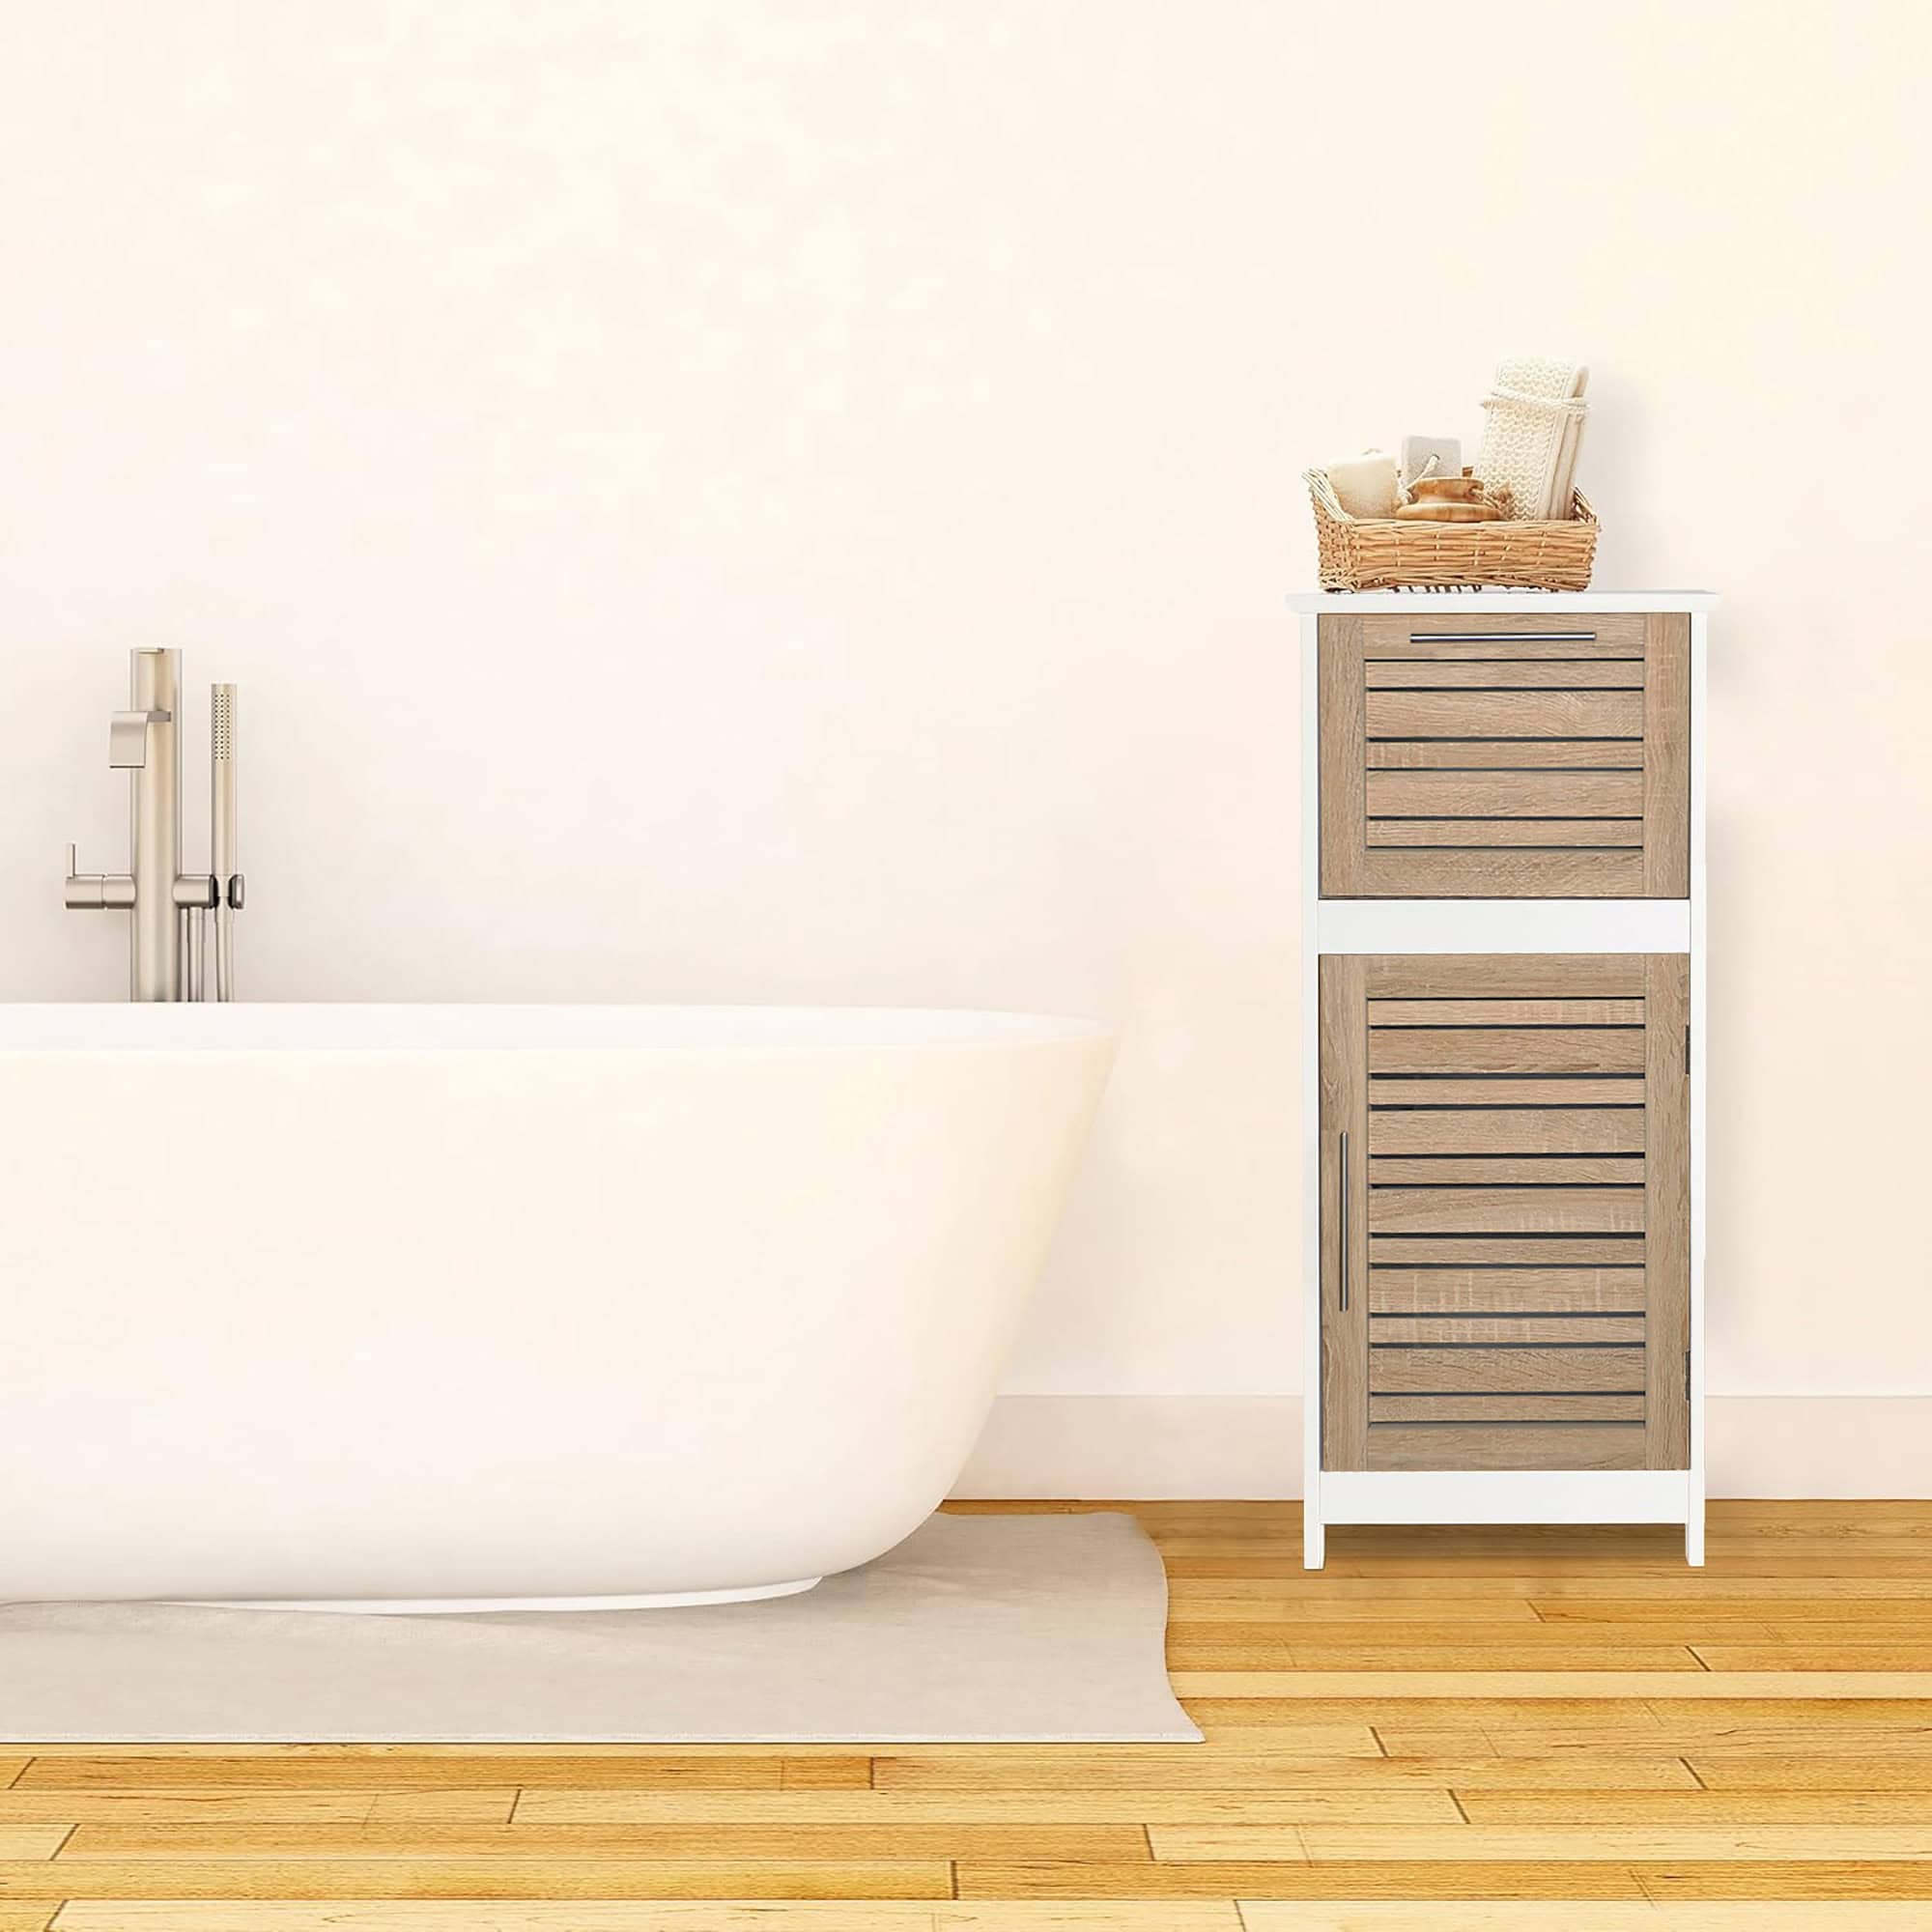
{"points": [[1495, 925]]}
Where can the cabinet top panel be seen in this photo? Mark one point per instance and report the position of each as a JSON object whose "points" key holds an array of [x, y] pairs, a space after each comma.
{"points": [[1477, 603]]}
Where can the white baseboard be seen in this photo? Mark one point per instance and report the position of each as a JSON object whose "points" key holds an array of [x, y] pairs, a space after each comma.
{"points": [[1139, 1446], [1181, 1447], [1820, 1445]]}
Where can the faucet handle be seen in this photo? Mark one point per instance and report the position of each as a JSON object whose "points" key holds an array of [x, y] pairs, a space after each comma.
{"points": [[83, 891], [128, 738], [95, 892]]}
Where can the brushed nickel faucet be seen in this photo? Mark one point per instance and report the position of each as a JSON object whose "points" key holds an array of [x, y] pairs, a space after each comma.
{"points": [[171, 909]]}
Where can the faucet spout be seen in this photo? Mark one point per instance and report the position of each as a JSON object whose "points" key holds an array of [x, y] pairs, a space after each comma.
{"points": [[128, 738]]}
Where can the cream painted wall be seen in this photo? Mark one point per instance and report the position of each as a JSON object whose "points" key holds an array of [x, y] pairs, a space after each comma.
{"points": [[790, 501]]}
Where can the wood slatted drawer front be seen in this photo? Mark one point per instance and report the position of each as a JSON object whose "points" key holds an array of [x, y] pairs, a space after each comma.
{"points": [[1505, 756], [1517, 1247]]}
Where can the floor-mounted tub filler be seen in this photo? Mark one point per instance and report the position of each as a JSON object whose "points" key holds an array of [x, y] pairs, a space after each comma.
{"points": [[171, 913], [471, 1307]]}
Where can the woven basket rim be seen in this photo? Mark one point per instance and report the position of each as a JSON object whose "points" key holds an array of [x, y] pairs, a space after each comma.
{"points": [[1329, 505]]}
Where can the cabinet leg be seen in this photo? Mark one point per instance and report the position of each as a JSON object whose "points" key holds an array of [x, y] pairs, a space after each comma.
{"points": [[1693, 1539], [1314, 1539]]}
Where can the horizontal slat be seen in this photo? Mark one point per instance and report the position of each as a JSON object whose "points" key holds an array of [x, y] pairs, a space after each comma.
{"points": [[1505, 1012], [1516, 674], [1477, 1251], [1404, 1371], [1519, 1171], [1505, 835], [1513, 872], [1506, 1408], [1508, 1131], [1503, 976], [1576, 633], [1419, 656], [1504, 714], [1505, 1050], [1504, 794], [1506, 1211], [1422, 755], [1599, 1328], [1503, 1289], [1625, 1090], [1583, 1445]]}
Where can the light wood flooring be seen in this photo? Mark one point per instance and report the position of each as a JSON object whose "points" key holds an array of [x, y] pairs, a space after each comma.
{"points": [[1447, 1729]]}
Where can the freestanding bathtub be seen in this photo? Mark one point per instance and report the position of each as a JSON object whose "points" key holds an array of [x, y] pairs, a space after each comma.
{"points": [[458, 1307]]}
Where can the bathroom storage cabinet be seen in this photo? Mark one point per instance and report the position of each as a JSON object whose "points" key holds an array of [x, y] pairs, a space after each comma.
{"points": [[1503, 993]]}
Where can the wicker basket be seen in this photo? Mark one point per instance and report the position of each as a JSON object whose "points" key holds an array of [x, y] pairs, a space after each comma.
{"points": [[1390, 553]]}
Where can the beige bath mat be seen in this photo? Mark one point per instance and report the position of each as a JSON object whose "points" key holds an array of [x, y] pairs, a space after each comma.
{"points": [[977, 1629]]}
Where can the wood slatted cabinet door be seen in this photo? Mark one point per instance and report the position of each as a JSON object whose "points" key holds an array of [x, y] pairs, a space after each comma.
{"points": [[1505, 1208], [1505, 756], [1345, 1245]]}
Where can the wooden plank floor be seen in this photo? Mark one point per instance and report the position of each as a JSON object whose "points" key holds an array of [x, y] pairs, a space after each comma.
{"points": [[1502, 1729]]}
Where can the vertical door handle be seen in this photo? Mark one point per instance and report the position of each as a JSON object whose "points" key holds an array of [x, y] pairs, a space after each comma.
{"points": [[1343, 1212]]}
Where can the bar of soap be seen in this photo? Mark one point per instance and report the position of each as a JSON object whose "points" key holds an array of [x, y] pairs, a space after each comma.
{"points": [[1416, 450], [1365, 485]]}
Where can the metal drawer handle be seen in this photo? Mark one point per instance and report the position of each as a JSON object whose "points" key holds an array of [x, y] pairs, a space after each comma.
{"points": [[1502, 636], [1343, 1265]]}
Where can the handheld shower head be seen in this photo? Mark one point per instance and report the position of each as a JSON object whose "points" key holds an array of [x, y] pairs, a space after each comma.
{"points": [[223, 833], [224, 837]]}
